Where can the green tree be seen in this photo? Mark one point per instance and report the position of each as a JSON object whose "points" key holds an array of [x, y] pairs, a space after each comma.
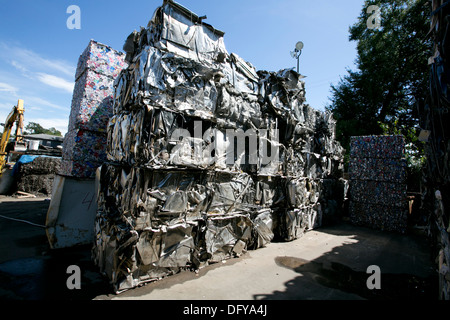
{"points": [[392, 74], [36, 128]]}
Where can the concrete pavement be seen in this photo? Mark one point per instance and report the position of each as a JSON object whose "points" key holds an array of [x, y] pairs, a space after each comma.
{"points": [[326, 264]]}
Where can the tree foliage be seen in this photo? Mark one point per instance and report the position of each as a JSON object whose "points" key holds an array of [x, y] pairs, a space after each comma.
{"points": [[392, 74], [36, 128]]}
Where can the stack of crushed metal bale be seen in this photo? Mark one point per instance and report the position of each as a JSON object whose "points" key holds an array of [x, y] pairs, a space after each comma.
{"points": [[35, 174], [435, 133], [92, 101], [377, 191], [207, 157]]}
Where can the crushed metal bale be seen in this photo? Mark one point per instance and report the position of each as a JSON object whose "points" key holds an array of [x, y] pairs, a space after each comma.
{"points": [[91, 108], [35, 174], [206, 156], [377, 183]]}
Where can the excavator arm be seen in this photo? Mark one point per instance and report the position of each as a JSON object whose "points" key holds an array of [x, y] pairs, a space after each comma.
{"points": [[15, 116]]}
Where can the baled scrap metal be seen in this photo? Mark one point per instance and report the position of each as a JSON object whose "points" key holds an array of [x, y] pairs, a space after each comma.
{"points": [[377, 190], [433, 119], [100, 58], [154, 197], [150, 136], [130, 259], [35, 174], [227, 235], [235, 108], [378, 169], [151, 198], [168, 81], [179, 144], [36, 183], [80, 168], [92, 102], [303, 192], [161, 215], [295, 163], [129, 248], [92, 99], [83, 152], [270, 191], [293, 203], [263, 227], [379, 216], [183, 32], [292, 224], [284, 92], [166, 247], [311, 149], [309, 194], [231, 193], [388, 147], [40, 165], [389, 193], [84, 147]]}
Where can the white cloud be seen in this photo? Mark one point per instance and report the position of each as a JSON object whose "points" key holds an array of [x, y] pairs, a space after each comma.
{"points": [[20, 67], [4, 87], [37, 102], [55, 81], [35, 67], [25, 59], [45, 84]]}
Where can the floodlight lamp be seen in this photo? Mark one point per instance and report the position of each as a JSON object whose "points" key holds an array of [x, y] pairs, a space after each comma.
{"points": [[299, 46]]}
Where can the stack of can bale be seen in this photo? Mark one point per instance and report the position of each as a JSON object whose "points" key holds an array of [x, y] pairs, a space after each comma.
{"points": [[35, 174], [92, 101], [207, 157], [377, 188]]}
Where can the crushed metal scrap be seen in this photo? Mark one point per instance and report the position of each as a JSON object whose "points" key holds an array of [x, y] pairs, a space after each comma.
{"points": [[434, 115], [163, 205], [34, 174]]}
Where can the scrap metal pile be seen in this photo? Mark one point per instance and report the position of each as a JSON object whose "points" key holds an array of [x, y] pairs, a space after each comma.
{"points": [[35, 174], [207, 157], [434, 119], [92, 101], [377, 187]]}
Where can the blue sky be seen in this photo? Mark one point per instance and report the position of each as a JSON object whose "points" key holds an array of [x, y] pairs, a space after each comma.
{"points": [[38, 53]]}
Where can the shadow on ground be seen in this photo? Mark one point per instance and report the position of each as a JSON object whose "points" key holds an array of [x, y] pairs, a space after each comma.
{"points": [[406, 260], [45, 277], [29, 269]]}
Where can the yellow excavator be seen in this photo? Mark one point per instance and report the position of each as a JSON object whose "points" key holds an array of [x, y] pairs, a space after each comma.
{"points": [[15, 116]]}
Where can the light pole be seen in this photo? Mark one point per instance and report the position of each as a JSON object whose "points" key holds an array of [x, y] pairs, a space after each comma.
{"points": [[297, 53]]}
